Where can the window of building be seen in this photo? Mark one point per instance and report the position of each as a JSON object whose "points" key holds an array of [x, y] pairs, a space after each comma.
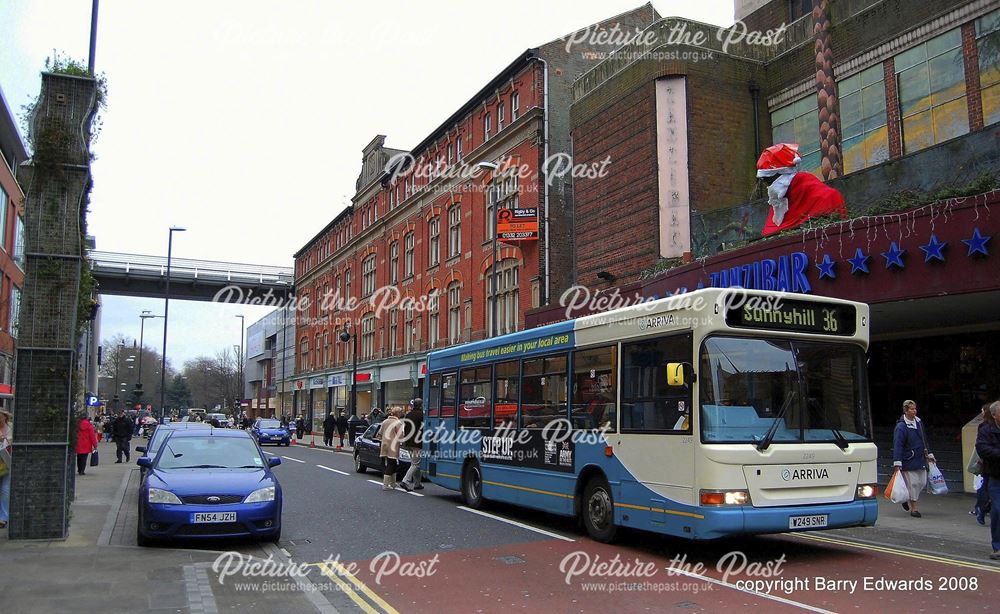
{"points": [[505, 192], [506, 394], [476, 399], [451, 153], [455, 231], [458, 148], [394, 262], [408, 330], [797, 9], [304, 354], [339, 289], [544, 387], [317, 301], [318, 352], [501, 113], [368, 275], [454, 312], [368, 337], [347, 284], [595, 390], [393, 331], [4, 205], [487, 126], [503, 285], [19, 242], [649, 405], [434, 242], [408, 255], [988, 43], [798, 122], [326, 349], [515, 106], [15, 309], [863, 120], [931, 81], [433, 318]]}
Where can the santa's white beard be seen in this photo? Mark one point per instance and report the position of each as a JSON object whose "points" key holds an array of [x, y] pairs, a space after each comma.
{"points": [[776, 196]]}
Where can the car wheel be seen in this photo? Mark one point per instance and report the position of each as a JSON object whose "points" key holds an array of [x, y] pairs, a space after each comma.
{"points": [[358, 465], [598, 510], [472, 485]]}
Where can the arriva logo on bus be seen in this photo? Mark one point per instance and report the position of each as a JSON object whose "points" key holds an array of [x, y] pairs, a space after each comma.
{"points": [[786, 273]]}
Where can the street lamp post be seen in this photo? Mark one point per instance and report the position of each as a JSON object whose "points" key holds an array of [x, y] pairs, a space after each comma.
{"points": [[240, 360], [354, 419], [491, 194], [145, 315], [166, 308], [118, 361]]}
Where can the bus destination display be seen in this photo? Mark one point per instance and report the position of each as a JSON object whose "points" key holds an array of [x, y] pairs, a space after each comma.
{"points": [[797, 316]]}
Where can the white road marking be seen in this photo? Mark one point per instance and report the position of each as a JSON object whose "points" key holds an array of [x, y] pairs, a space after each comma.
{"points": [[748, 591], [333, 470], [294, 459], [517, 524]]}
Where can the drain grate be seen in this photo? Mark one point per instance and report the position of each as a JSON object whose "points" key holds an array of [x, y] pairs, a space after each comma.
{"points": [[686, 605], [509, 560]]}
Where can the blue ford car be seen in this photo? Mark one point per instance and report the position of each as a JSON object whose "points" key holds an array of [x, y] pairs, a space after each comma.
{"points": [[270, 431], [209, 484]]}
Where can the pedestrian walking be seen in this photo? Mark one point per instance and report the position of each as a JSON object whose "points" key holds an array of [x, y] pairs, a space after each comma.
{"points": [[911, 453], [106, 423], [341, 428], [329, 426], [983, 503], [86, 444], [121, 432], [988, 448], [6, 451], [284, 420], [391, 435], [413, 423], [300, 427], [375, 415]]}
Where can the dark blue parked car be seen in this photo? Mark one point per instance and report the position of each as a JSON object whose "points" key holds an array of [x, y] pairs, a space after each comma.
{"points": [[366, 453], [267, 430], [209, 484]]}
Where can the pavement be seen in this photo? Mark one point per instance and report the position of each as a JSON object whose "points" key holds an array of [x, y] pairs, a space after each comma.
{"points": [[99, 568]]}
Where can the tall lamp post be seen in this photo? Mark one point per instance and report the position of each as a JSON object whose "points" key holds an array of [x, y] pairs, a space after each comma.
{"points": [[491, 195], [145, 315], [166, 308], [353, 421], [239, 364]]}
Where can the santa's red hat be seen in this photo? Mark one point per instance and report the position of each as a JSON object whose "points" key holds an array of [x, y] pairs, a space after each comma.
{"points": [[780, 159]]}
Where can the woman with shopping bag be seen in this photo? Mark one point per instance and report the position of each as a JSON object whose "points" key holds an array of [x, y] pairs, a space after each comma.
{"points": [[910, 454]]}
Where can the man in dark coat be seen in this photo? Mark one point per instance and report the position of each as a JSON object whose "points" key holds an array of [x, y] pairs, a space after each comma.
{"points": [[341, 428], [329, 425], [988, 448], [121, 432], [413, 423], [300, 428]]}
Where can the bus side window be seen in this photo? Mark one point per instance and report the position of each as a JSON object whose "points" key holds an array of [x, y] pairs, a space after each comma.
{"points": [[544, 391], [595, 390], [434, 402], [506, 395], [448, 395]]}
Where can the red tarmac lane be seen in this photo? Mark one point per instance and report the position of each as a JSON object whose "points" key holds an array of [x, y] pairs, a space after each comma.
{"points": [[782, 573]]}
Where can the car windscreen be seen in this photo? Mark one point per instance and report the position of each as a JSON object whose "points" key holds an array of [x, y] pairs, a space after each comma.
{"points": [[269, 424], [209, 453]]}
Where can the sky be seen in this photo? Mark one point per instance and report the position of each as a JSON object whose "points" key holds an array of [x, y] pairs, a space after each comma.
{"points": [[244, 120]]}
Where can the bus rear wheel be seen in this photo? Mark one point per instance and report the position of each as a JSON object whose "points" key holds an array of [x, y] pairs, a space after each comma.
{"points": [[598, 510], [472, 485]]}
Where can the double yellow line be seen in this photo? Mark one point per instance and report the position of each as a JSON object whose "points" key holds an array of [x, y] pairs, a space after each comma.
{"points": [[356, 589]]}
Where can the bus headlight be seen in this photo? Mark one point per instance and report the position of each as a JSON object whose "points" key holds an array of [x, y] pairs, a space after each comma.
{"points": [[725, 497], [867, 491]]}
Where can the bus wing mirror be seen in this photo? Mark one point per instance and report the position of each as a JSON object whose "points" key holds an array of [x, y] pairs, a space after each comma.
{"points": [[680, 374]]}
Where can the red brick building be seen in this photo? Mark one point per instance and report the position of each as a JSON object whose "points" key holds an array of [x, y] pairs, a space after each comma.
{"points": [[407, 266], [11, 247]]}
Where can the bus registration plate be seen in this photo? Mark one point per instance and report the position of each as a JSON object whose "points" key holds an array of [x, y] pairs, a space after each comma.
{"points": [[199, 517], [807, 522]]}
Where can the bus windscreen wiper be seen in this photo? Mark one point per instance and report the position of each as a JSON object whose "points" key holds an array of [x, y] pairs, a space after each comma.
{"points": [[841, 440], [766, 441]]}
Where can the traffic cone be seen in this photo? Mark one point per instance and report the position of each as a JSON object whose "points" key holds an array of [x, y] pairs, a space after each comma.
{"points": [[312, 439]]}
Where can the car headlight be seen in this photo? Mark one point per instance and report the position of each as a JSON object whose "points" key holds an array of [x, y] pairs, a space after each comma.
{"points": [[163, 496], [261, 495], [867, 491]]}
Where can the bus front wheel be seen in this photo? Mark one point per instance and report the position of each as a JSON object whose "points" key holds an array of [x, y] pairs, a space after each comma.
{"points": [[598, 510], [472, 485]]}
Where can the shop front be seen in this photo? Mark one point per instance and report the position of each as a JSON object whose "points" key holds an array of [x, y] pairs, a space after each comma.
{"points": [[317, 403], [398, 385]]}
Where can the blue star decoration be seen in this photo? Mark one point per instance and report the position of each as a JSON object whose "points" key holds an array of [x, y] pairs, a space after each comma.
{"points": [[826, 267], [894, 257], [977, 244], [859, 262], [934, 250]]}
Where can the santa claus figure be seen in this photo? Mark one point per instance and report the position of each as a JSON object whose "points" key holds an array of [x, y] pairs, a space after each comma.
{"points": [[794, 197]]}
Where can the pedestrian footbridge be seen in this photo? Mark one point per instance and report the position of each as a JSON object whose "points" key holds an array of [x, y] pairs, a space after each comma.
{"points": [[200, 280]]}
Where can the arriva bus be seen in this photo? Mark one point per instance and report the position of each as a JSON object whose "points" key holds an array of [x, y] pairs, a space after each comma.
{"points": [[706, 414]]}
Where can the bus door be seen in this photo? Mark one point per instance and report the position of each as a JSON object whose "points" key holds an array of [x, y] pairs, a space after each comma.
{"points": [[444, 427]]}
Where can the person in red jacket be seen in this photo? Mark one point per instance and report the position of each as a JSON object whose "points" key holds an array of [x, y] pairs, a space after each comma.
{"points": [[86, 443], [794, 197]]}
